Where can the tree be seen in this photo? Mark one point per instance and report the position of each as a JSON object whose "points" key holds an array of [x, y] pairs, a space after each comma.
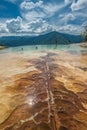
{"points": [[85, 32]]}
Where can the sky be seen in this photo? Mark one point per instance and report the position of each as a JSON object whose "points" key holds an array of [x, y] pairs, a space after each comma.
{"points": [[36, 17]]}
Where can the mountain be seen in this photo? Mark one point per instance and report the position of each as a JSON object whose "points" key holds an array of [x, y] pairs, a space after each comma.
{"points": [[50, 38]]}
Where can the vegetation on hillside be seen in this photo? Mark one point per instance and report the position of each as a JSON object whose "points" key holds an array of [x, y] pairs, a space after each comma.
{"points": [[50, 38], [2, 47], [85, 33]]}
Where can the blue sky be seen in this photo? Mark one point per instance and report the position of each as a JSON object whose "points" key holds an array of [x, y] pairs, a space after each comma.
{"points": [[35, 17]]}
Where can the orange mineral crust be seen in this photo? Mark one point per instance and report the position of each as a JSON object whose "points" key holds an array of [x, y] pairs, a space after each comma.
{"points": [[44, 90]]}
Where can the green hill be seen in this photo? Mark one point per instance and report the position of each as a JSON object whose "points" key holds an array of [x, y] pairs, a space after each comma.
{"points": [[50, 38]]}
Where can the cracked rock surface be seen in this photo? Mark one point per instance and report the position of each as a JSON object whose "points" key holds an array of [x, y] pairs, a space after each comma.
{"points": [[44, 90]]}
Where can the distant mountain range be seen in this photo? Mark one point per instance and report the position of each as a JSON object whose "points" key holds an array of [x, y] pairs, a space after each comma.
{"points": [[50, 38]]}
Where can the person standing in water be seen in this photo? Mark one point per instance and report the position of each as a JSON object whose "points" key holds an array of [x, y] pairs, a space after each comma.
{"points": [[22, 49], [36, 47]]}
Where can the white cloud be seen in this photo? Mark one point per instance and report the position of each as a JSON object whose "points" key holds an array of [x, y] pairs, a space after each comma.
{"points": [[30, 16], [39, 9], [14, 25], [39, 17], [65, 18], [28, 5], [68, 1], [80, 15], [51, 8], [80, 4], [19, 26], [70, 28], [37, 26], [3, 28]]}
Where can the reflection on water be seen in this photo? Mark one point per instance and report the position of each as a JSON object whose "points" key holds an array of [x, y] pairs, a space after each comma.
{"points": [[30, 101]]}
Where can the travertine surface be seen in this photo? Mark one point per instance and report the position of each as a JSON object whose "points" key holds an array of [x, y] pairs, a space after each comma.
{"points": [[43, 91]]}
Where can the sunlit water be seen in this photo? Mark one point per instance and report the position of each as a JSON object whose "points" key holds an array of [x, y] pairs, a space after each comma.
{"points": [[71, 48]]}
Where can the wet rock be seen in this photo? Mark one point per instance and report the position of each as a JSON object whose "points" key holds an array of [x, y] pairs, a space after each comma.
{"points": [[63, 128], [42, 126]]}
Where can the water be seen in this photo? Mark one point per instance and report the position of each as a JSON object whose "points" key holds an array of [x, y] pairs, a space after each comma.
{"points": [[71, 48]]}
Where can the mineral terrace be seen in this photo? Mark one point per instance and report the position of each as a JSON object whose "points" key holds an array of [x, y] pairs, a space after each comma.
{"points": [[44, 90]]}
